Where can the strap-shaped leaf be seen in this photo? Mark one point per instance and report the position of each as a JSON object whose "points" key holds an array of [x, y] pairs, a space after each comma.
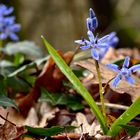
{"points": [[127, 116], [77, 84]]}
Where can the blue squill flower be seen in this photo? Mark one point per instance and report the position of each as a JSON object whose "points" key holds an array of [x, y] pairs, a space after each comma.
{"points": [[99, 46], [92, 22], [8, 27], [123, 72]]}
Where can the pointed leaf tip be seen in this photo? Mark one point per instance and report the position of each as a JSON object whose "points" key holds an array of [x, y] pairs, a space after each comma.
{"points": [[42, 36]]}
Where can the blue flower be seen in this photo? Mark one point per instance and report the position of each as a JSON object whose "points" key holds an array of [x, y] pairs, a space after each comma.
{"points": [[123, 72], [92, 22], [8, 27], [99, 46]]}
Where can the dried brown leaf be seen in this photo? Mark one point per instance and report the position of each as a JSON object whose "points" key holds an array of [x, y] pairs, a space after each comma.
{"points": [[123, 87], [81, 120], [9, 131], [62, 118]]}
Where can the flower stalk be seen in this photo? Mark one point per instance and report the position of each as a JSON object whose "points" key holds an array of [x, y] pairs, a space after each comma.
{"points": [[101, 90], [1, 43]]}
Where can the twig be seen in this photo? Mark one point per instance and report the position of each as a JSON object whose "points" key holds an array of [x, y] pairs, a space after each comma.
{"points": [[116, 106], [108, 83], [7, 120]]}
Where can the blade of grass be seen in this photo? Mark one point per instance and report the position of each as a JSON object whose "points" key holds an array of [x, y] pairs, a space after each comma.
{"points": [[77, 84], [127, 116]]}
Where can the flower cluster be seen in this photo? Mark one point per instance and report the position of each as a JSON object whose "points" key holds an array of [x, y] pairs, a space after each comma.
{"points": [[8, 27], [98, 46]]}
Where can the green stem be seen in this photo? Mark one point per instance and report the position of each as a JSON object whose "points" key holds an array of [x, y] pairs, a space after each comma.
{"points": [[101, 90], [1, 43]]}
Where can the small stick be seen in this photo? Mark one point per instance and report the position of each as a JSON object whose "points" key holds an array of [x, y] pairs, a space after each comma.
{"points": [[7, 120], [116, 106], [108, 82]]}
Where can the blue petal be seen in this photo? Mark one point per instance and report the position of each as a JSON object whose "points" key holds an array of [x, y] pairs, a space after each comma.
{"points": [[129, 79], [102, 52], [9, 11], [126, 62], [3, 36], [91, 36], [113, 67], [84, 47], [9, 20], [14, 37], [112, 34], [89, 24], [91, 13], [4, 10], [94, 23], [94, 53], [114, 41], [104, 39], [135, 68], [116, 80], [102, 45], [15, 27]]}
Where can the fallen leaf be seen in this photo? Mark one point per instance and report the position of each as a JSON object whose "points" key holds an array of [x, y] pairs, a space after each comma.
{"points": [[106, 74], [32, 118], [81, 120], [62, 118], [9, 131], [47, 112]]}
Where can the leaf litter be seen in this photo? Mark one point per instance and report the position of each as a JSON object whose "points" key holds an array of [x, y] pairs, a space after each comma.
{"points": [[44, 115]]}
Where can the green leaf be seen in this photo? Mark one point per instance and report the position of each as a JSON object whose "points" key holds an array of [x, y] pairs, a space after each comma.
{"points": [[2, 86], [132, 130], [5, 63], [28, 66], [77, 84], [54, 99], [7, 102], [28, 48], [7, 70], [18, 59], [17, 84], [49, 131], [126, 117]]}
